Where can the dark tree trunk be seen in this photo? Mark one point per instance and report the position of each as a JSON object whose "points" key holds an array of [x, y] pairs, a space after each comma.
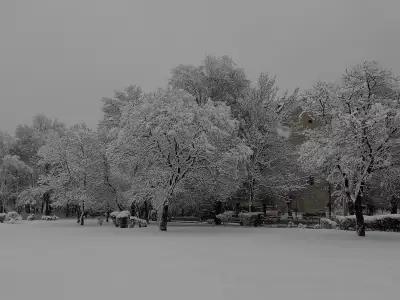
{"points": [[164, 217], [133, 209], [360, 225], [82, 218], [78, 214], [264, 209], [46, 204], [330, 201], [351, 208], [371, 209], [218, 210], [146, 211], [393, 205], [251, 194], [237, 208]]}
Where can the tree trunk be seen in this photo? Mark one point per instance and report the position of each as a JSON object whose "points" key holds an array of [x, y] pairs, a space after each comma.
{"points": [[393, 205], [82, 218], [330, 201], [251, 193], [146, 211], [218, 210], [371, 209], [78, 214], [164, 217], [237, 208], [3, 209], [46, 204], [351, 208], [360, 225], [133, 209]]}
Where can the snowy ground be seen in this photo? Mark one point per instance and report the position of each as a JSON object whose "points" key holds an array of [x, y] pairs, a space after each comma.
{"points": [[61, 260]]}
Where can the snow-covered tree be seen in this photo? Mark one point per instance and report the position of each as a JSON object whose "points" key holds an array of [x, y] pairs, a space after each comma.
{"points": [[271, 166], [358, 124], [13, 171], [218, 79], [168, 136], [112, 108], [71, 163]]}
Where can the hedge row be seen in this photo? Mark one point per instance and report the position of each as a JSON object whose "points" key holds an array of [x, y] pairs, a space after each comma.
{"points": [[378, 223], [328, 224]]}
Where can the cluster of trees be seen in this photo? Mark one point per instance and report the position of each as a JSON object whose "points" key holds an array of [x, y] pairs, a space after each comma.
{"points": [[209, 136], [355, 144]]}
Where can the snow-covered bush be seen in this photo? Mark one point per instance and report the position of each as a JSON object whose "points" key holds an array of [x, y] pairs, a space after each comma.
{"points": [[290, 224], [328, 224], [30, 217], [378, 223], [113, 217], [346, 223], [226, 216], [114, 214], [49, 218], [123, 214], [12, 217], [251, 219], [139, 221]]}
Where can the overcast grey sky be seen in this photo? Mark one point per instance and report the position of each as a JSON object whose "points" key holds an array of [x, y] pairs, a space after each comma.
{"points": [[60, 57]]}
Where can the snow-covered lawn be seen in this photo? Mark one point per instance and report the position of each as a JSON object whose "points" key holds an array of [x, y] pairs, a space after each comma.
{"points": [[61, 260]]}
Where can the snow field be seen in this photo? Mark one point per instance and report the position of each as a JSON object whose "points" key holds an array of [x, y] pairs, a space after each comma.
{"points": [[62, 260]]}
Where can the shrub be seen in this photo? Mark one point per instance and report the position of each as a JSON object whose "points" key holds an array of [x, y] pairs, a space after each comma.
{"points": [[378, 223], [346, 223], [328, 224], [226, 217], [300, 225], [12, 217], [30, 217], [2, 217], [251, 219], [123, 214], [113, 217], [291, 224], [136, 220], [114, 214]]}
